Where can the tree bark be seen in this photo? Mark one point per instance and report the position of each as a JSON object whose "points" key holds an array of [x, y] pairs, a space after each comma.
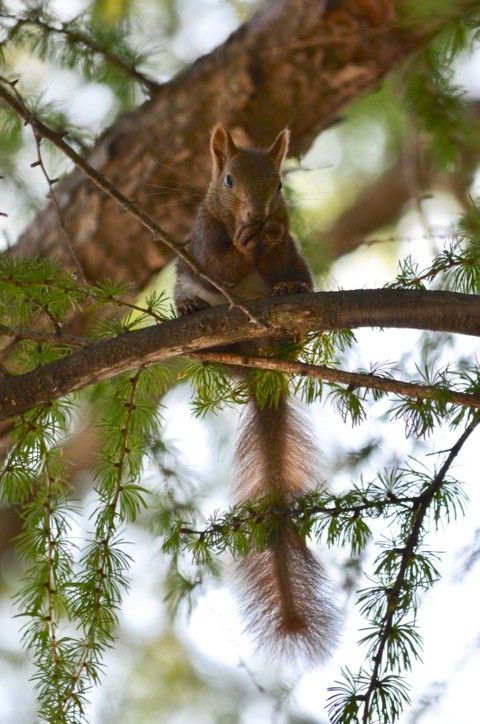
{"points": [[296, 63], [414, 309]]}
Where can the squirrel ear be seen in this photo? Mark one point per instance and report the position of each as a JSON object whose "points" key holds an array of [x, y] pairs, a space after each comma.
{"points": [[279, 148], [222, 147]]}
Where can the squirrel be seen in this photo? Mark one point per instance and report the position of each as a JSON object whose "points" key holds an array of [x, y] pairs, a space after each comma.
{"points": [[241, 236]]}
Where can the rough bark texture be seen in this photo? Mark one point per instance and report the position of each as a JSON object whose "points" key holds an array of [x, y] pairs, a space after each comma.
{"points": [[296, 63], [413, 309]]}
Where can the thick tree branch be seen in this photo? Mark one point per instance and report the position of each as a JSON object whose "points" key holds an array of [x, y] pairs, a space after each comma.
{"points": [[415, 309]]}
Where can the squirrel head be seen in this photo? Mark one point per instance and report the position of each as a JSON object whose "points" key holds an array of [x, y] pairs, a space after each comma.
{"points": [[245, 185]]}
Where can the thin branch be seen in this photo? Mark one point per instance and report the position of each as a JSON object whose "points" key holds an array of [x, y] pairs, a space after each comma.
{"points": [[13, 452], [159, 235], [353, 379], [80, 38], [86, 292], [136, 308], [50, 583], [294, 511], [419, 512], [105, 543], [51, 317], [69, 340], [6, 351], [39, 162], [438, 269], [216, 326], [10, 279]]}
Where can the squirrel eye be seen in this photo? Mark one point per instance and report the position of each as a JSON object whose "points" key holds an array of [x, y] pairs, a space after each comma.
{"points": [[280, 186], [228, 181]]}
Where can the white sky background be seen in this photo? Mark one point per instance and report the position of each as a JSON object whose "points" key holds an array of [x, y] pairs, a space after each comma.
{"points": [[448, 618]]}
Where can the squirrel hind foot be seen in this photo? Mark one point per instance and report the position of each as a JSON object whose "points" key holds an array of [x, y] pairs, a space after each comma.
{"points": [[190, 306], [282, 289]]}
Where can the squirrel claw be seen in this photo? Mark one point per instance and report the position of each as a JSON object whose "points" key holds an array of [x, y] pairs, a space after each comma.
{"points": [[282, 289], [190, 306]]}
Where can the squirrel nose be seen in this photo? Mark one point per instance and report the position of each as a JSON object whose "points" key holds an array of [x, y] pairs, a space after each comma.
{"points": [[256, 216]]}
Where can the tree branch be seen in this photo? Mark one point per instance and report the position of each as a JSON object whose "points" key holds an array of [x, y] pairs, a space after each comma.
{"points": [[414, 309], [75, 36], [353, 379], [419, 513], [69, 340]]}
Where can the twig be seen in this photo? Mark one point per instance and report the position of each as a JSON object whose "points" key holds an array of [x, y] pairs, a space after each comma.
{"points": [[28, 426], [137, 308], [56, 324], [419, 511], [353, 379], [69, 340], [39, 162], [296, 510], [105, 543], [76, 36], [50, 583], [6, 350], [91, 293], [406, 239]]}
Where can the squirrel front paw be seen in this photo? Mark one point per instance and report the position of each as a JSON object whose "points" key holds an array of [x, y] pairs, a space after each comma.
{"points": [[281, 289], [271, 233], [252, 237], [190, 306], [247, 237]]}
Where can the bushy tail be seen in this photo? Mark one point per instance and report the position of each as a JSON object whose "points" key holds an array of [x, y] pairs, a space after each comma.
{"points": [[285, 594]]}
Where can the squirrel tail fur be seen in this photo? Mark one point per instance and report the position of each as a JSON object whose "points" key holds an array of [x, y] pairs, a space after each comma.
{"points": [[284, 592]]}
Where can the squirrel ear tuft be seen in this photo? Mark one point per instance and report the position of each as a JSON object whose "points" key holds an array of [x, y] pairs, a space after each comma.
{"points": [[279, 148], [222, 147]]}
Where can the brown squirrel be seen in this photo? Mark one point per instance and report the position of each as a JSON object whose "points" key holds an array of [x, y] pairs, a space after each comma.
{"points": [[241, 237]]}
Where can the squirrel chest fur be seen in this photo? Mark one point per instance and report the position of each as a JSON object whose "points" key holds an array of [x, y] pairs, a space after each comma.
{"points": [[241, 238]]}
